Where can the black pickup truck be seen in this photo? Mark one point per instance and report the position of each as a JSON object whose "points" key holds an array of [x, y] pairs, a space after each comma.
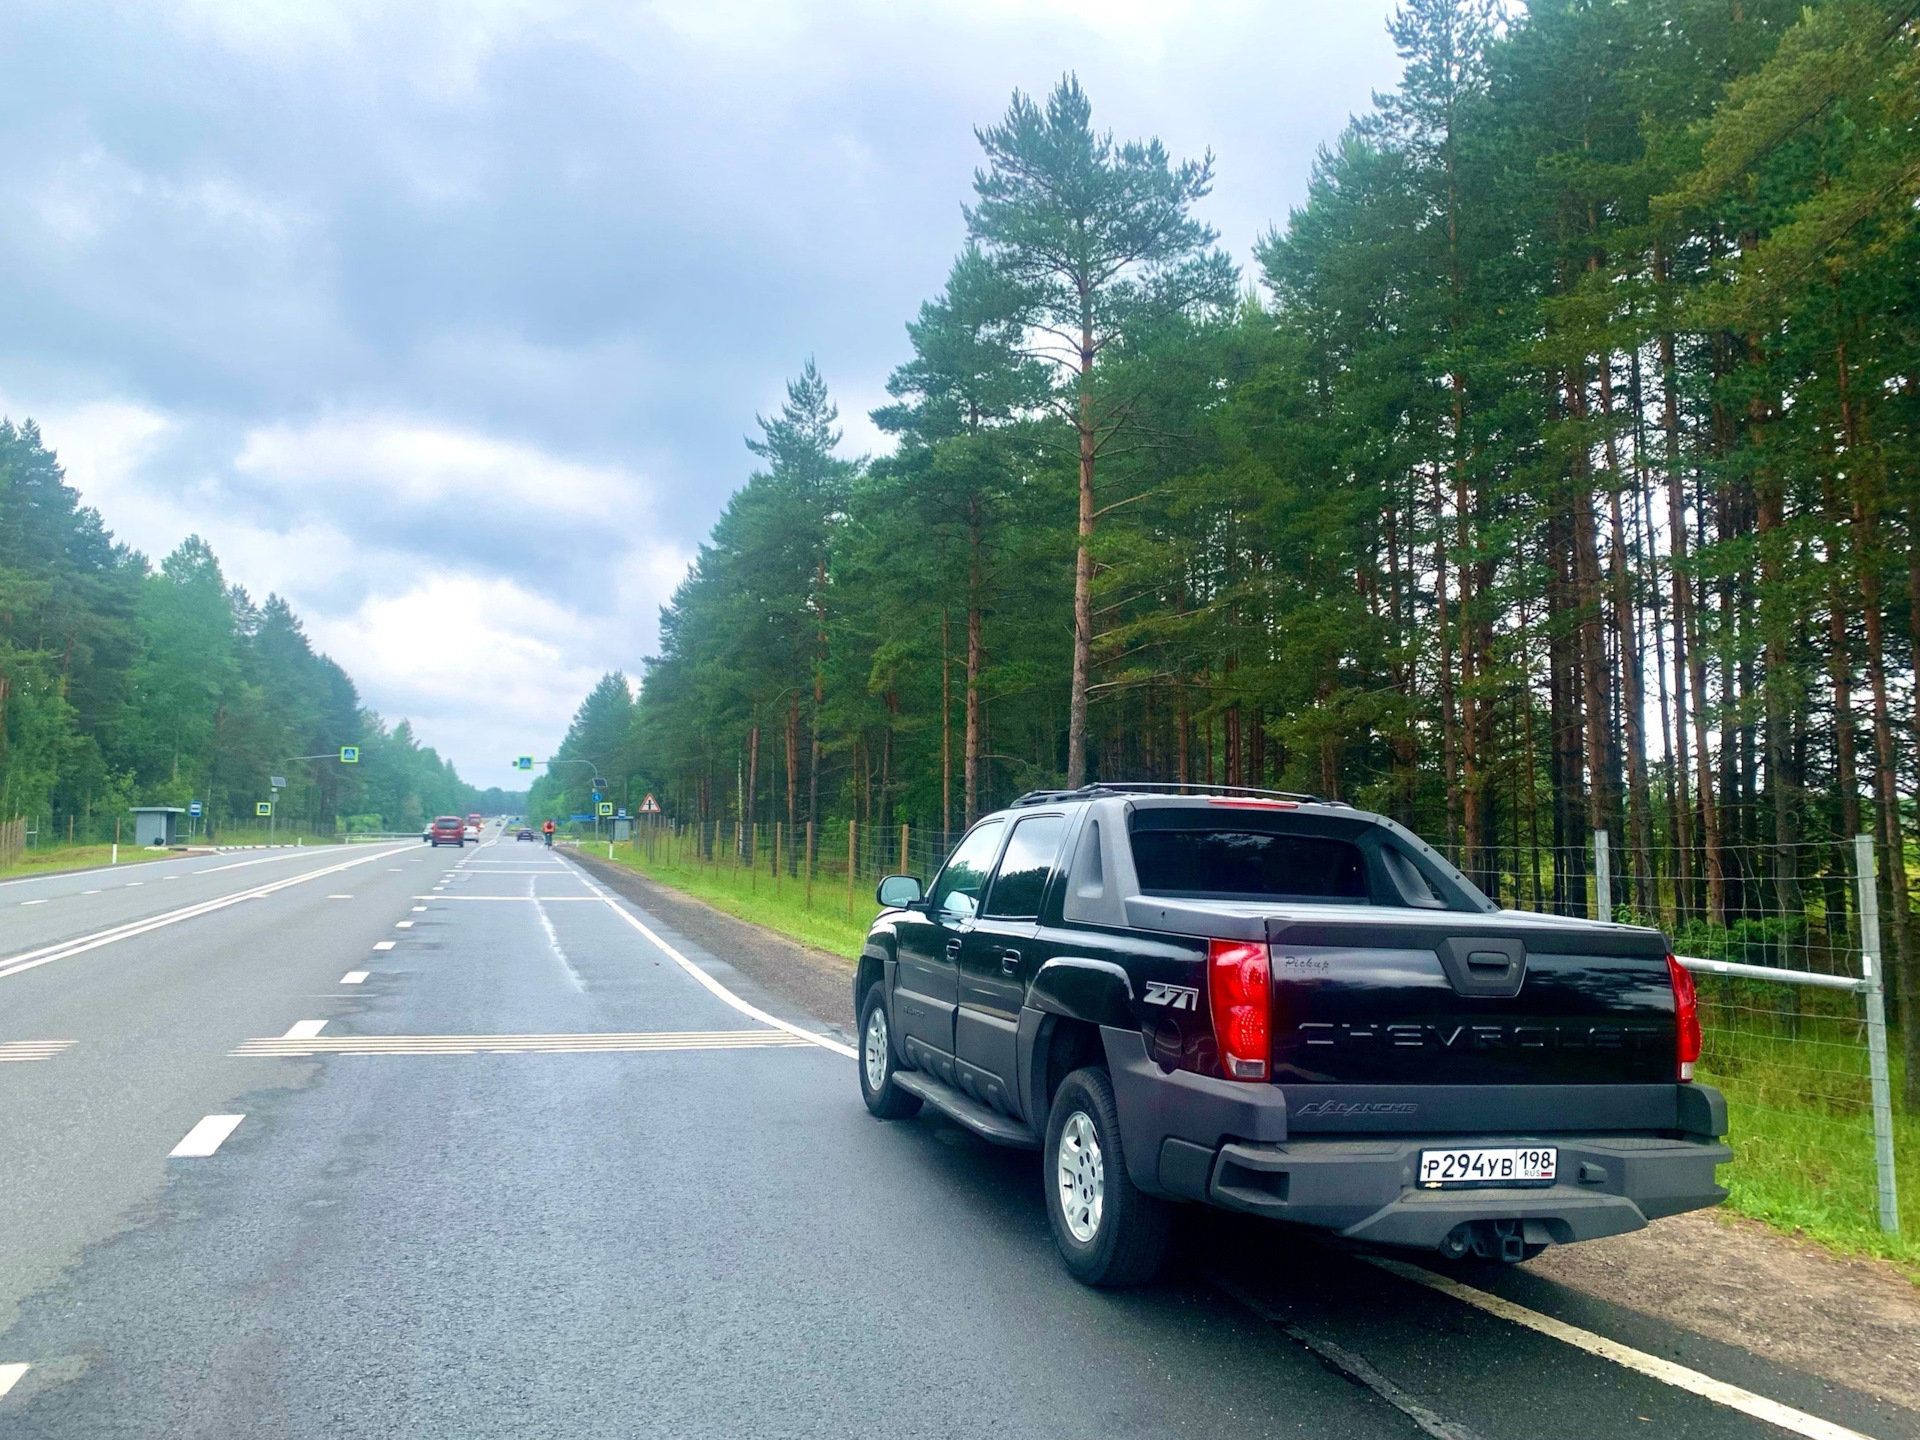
{"points": [[1286, 1007]]}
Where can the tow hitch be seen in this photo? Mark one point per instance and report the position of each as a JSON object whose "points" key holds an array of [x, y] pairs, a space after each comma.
{"points": [[1503, 1240]]}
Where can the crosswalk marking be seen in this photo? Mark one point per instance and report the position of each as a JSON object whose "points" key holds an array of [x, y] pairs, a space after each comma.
{"points": [[10, 1376], [31, 1049], [579, 1044]]}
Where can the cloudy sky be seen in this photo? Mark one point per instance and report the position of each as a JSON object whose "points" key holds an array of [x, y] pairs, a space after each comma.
{"points": [[446, 320]]}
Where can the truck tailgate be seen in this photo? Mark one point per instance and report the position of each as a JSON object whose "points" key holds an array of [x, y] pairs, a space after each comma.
{"points": [[1458, 1000]]}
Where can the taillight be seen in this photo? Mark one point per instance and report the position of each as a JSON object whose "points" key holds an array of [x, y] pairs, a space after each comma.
{"points": [[1240, 984], [1686, 1014]]}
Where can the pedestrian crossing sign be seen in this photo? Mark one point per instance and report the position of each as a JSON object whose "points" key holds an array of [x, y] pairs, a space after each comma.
{"points": [[263, 807], [525, 762], [349, 754], [606, 807]]}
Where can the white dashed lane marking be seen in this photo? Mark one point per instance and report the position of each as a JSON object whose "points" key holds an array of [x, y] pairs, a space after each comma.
{"points": [[206, 1137], [304, 1029], [403, 924], [10, 1376], [354, 977]]}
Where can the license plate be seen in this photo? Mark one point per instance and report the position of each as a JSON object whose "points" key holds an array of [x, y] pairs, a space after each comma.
{"points": [[1480, 1165]]}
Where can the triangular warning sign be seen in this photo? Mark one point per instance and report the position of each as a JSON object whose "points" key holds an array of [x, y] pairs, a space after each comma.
{"points": [[649, 806]]}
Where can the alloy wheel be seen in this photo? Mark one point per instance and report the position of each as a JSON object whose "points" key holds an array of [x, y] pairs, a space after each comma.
{"points": [[1082, 1177], [875, 1049]]}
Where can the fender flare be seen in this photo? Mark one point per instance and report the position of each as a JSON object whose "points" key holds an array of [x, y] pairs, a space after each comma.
{"points": [[1095, 993], [1077, 988], [871, 966]]}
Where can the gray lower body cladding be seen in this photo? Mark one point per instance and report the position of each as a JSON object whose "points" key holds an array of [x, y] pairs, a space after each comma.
{"points": [[1223, 1143]]}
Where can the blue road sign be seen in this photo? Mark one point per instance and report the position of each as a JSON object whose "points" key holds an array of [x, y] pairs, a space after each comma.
{"points": [[349, 754], [193, 807], [580, 817], [525, 762]]}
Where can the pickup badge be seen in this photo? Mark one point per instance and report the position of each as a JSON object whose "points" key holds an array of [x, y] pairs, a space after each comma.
{"points": [[1174, 997]]}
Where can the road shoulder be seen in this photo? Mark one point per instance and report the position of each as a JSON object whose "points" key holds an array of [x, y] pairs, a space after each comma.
{"points": [[817, 982]]}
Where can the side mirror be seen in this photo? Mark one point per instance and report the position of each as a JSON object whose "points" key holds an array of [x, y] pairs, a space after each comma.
{"points": [[896, 892]]}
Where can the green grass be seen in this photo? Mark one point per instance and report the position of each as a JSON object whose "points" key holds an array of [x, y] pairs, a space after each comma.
{"points": [[1794, 1070], [75, 857], [752, 895], [45, 859], [1796, 1084]]}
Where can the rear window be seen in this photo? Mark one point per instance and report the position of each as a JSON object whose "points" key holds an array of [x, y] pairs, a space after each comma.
{"points": [[1249, 865]]}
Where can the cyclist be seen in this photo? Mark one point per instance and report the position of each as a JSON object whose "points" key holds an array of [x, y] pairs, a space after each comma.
{"points": [[547, 830]]}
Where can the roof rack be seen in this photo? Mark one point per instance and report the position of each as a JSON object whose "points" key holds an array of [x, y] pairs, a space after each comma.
{"points": [[1166, 787]]}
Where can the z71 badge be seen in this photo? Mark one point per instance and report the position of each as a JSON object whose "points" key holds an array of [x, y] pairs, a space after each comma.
{"points": [[1174, 997]]}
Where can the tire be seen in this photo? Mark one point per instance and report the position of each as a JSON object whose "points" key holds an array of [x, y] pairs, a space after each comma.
{"points": [[1109, 1232], [875, 1056]]}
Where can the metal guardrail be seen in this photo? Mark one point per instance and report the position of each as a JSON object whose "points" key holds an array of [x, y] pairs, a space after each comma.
{"points": [[1773, 973]]}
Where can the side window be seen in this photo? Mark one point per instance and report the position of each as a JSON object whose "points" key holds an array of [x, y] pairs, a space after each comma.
{"points": [[1021, 882], [956, 895]]}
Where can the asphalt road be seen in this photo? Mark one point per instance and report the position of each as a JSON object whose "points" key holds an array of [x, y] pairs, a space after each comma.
{"points": [[531, 1177]]}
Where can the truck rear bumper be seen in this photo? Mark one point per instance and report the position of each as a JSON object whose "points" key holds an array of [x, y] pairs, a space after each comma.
{"points": [[1364, 1188], [1190, 1137]]}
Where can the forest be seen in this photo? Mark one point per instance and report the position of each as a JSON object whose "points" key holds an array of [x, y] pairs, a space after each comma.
{"points": [[1551, 471], [122, 684]]}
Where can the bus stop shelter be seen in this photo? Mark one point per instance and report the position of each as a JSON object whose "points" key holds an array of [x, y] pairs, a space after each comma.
{"points": [[156, 824]]}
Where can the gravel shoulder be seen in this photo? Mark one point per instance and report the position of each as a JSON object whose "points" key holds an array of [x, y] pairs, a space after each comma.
{"points": [[1852, 1321], [1855, 1322]]}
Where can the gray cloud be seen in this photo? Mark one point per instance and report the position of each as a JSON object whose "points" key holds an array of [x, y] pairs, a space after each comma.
{"points": [[362, 290]]}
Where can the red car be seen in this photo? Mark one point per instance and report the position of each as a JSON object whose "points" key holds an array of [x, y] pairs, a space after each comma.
{"points": [[448, 830]]}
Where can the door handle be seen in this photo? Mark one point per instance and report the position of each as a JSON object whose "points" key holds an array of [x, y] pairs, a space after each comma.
{"points": [[953, 949], [1009, 961]]}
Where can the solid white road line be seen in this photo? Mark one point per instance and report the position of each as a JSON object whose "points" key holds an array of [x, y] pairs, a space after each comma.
{"points": [[304, 1029], [1652, 1366], [544, 899], [206, 1137], [354, 977], [46, 955], [284, 1047], [713, 985], [10, 1376], [383, 944]]}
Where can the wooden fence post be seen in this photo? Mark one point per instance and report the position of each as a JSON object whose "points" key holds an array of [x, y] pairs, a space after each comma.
{"points": [[852, 827]]}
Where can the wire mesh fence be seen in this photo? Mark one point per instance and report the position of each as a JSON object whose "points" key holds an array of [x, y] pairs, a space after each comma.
{"points": [[1782, 942]]}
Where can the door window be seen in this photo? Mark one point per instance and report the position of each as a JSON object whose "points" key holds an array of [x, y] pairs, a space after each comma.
{"points": [[1021, 883], [956, 895]]}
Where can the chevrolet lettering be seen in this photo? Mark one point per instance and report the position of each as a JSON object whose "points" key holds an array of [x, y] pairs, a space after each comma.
{"points": [[1186, 996]]}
